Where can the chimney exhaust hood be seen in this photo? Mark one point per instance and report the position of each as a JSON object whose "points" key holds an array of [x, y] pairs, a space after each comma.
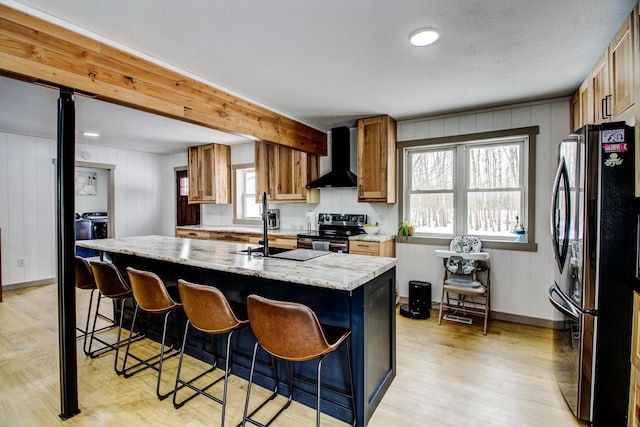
{"points": [[340, 175]]}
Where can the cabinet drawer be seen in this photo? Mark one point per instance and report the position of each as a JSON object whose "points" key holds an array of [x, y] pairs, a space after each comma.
{"points": [[364, 248], [194, 234], [283, 242]]}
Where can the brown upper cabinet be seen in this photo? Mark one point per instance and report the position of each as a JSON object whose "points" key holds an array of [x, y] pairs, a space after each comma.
{"points": [[377, 159], [209, 170], [621, 59], [609, 91], [283, 174]]}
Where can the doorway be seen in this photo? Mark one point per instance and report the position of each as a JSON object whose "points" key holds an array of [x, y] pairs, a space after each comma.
{"points": [[186, 214]]}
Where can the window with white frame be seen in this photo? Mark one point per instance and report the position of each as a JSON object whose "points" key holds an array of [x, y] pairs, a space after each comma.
{"points": [[467, 185], [246, 210]]}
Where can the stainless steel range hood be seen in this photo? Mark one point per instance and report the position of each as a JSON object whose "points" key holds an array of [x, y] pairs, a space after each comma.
{"points": [[340, 175]]}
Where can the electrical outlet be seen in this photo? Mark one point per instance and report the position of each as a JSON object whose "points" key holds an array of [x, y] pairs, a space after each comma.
{"points": [[22, 262]]}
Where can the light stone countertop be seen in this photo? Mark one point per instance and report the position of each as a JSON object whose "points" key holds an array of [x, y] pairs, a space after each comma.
{"points": [[334, 271]]}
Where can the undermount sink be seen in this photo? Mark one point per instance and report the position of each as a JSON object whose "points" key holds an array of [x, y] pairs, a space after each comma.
{"points": [[259, 251]]}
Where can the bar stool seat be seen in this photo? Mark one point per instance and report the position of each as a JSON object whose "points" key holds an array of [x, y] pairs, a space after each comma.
{"points": [[112, 285], [208, 311], [151, 296], [291, 332]]}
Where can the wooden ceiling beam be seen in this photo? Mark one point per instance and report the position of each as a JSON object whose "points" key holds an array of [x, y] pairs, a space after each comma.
{"points": [[44, 51]]}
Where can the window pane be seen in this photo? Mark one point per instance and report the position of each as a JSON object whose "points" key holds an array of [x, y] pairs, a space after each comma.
{"points": [[184, 186], [432, 170], [493, 213], [495, 166], [252, 209], [432, 213]]}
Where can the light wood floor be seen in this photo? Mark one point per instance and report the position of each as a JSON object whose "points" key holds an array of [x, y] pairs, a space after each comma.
{"points": [[449, 375]]}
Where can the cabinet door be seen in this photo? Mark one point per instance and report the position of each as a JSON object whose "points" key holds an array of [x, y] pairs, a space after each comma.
{"points": [[376, 159], [621, 60], [290, 175], [575, 111], [194, 166], [600, 85], [283, 173], [264, 162], [585, 93], [209, 174]]}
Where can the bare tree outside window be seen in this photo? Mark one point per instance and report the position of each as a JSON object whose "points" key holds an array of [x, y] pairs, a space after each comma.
{"points": [[468, 188]]}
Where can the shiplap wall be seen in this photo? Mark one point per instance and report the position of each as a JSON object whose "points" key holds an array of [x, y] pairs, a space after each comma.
{"points": [[27, 200], [519, 280], [27, 208]]}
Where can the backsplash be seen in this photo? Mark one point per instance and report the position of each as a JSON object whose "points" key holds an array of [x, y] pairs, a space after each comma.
{"points": [[292, 215]]}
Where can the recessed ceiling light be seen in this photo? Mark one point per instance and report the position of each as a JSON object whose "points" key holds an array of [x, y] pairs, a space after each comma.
{"points": [[92, 134], [424, 37]]}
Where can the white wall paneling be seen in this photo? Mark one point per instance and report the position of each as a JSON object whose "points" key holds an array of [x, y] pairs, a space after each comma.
{"points": [[27, 201], [27, 214], [519, 280]]}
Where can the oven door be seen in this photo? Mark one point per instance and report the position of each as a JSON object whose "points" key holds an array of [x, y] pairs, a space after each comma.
{"points": [[335, 245]]}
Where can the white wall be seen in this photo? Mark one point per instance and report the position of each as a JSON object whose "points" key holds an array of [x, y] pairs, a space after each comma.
{"points": [[27, 201], [519, 280], [27, 208]]}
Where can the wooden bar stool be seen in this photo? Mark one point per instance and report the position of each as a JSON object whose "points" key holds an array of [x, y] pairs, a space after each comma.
{"points": [[291, 331], [111, 285], [151, 296], [209, 311]]}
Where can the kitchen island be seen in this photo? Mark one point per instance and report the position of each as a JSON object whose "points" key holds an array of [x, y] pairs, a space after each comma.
{"points": [[344, 290]]}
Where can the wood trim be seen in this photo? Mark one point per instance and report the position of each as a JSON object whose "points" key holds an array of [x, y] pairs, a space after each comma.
{"points": [[44, 51]]}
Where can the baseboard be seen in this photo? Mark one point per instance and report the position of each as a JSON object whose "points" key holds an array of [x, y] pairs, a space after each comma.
{"points": [[28, 284], [507, 317]]}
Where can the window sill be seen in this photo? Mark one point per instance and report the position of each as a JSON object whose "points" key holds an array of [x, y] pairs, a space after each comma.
{"points": [[489, 244]]}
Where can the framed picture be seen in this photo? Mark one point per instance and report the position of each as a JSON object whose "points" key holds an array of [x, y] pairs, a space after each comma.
{"points": [[86, 183]]}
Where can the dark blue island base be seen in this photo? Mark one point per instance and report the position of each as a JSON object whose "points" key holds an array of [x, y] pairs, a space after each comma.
{"points": [[369, 311]]}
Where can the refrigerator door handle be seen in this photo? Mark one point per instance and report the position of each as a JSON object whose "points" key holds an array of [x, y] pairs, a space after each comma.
{"points": [[567, 308], [560, 248]]}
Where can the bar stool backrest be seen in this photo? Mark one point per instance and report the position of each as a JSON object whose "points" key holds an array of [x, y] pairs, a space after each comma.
{"points": [[150, 292], [84, 276], [288, 330], [109, 280], [207, 309]]}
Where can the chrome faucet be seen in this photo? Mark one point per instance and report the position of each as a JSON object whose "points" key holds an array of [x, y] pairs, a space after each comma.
{"points": [[265, 245]]}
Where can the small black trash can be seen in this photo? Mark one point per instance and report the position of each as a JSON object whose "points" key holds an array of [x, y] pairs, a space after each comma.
{"points": [[419, 306]]}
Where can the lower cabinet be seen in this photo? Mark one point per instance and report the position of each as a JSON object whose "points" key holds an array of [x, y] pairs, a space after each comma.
{"points": [[284, 242], [363, 247], [193, 234]]}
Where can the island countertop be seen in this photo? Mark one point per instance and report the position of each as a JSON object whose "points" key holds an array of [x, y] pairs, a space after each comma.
{"points": [[334, 270]]}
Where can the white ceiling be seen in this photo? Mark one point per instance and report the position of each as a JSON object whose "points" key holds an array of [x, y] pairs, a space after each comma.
{"points": [[329, 63]]}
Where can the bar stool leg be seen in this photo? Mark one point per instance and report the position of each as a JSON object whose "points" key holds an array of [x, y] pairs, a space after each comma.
{"points": [[126, 352], [246, 417], [164, 337], [118, 345], [84, 333]]}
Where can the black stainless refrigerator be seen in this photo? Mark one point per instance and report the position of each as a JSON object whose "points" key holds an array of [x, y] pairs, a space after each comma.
{"points": [[593, 235]]}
